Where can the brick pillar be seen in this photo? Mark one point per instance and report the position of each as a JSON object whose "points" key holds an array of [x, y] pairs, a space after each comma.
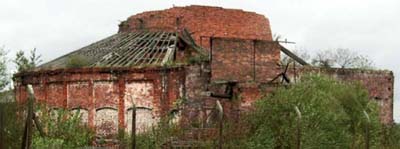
{"points": [[157, 97], [92, 106], [121, 103], [64, 103], [45, 86], [65, 95]]}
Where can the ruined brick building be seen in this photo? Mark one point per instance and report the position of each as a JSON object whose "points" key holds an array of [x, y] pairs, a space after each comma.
{"points": [[178, 61]]}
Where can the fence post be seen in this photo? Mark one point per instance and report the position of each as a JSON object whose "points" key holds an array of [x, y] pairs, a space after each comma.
{"points": [[27, 138], [133, 133], [298, 141], [220, 123], [38, 125], [367, 129]]}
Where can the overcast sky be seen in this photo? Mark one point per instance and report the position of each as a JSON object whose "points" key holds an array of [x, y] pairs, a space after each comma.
{"points": [[56, 27]]}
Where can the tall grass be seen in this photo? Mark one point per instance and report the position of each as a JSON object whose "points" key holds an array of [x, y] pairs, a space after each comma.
{"points": [[62, 128], [12, 124]]}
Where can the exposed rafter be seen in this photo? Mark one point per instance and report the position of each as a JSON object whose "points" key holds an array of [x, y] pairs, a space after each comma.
{"points": [[293, 56], [125, 50]]}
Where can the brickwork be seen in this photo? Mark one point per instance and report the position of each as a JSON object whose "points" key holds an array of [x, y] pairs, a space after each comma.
{"points": [[196, 83], [99, 90], [267, 58], [203, 22], [232, 59], [244, 60]]}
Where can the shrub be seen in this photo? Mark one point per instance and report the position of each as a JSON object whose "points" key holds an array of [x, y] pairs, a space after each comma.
{"points": [[332, 116], [63, 129]]}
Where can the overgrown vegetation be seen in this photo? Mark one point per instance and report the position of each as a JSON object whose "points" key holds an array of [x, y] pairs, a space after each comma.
{"points": [[333, 116], [77, 61], [11, 124], [331, 110], [156, 137], [63, 129], [391, 136]]}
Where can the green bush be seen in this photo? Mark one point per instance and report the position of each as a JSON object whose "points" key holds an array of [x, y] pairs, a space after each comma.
{"points": [[332, 116], [63, 129]]}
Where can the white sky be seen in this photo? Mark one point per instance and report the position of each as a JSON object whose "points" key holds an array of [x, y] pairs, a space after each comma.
{"points": [[56, 27]]}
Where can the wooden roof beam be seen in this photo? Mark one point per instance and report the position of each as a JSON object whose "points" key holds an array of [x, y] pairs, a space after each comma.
{"points": [[293, 56]]}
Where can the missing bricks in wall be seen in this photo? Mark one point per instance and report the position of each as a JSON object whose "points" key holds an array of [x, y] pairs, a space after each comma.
{"points": [[178, 22]]}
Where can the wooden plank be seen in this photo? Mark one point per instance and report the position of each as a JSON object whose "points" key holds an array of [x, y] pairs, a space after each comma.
{"points": [[293, 56], [167, 55]]}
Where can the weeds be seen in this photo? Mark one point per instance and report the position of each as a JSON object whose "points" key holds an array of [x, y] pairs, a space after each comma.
{"points": [[77, 61], [12, 124], [156, 137], [62, 128]]}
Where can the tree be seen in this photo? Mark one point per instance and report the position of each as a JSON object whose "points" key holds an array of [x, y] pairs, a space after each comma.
{"points": [[323, 59], [363, 62], [342, 58], [25, 64], [4, 80]]}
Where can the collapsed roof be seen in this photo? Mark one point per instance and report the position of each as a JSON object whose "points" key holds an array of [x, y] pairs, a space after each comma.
{"points": [[126, 50]]}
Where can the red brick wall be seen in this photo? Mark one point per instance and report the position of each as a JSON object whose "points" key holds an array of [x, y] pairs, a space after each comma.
{"points": [[267, 57], [203, 22], [232, 59], [196, 83], [94, 89], [244, 60]]}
